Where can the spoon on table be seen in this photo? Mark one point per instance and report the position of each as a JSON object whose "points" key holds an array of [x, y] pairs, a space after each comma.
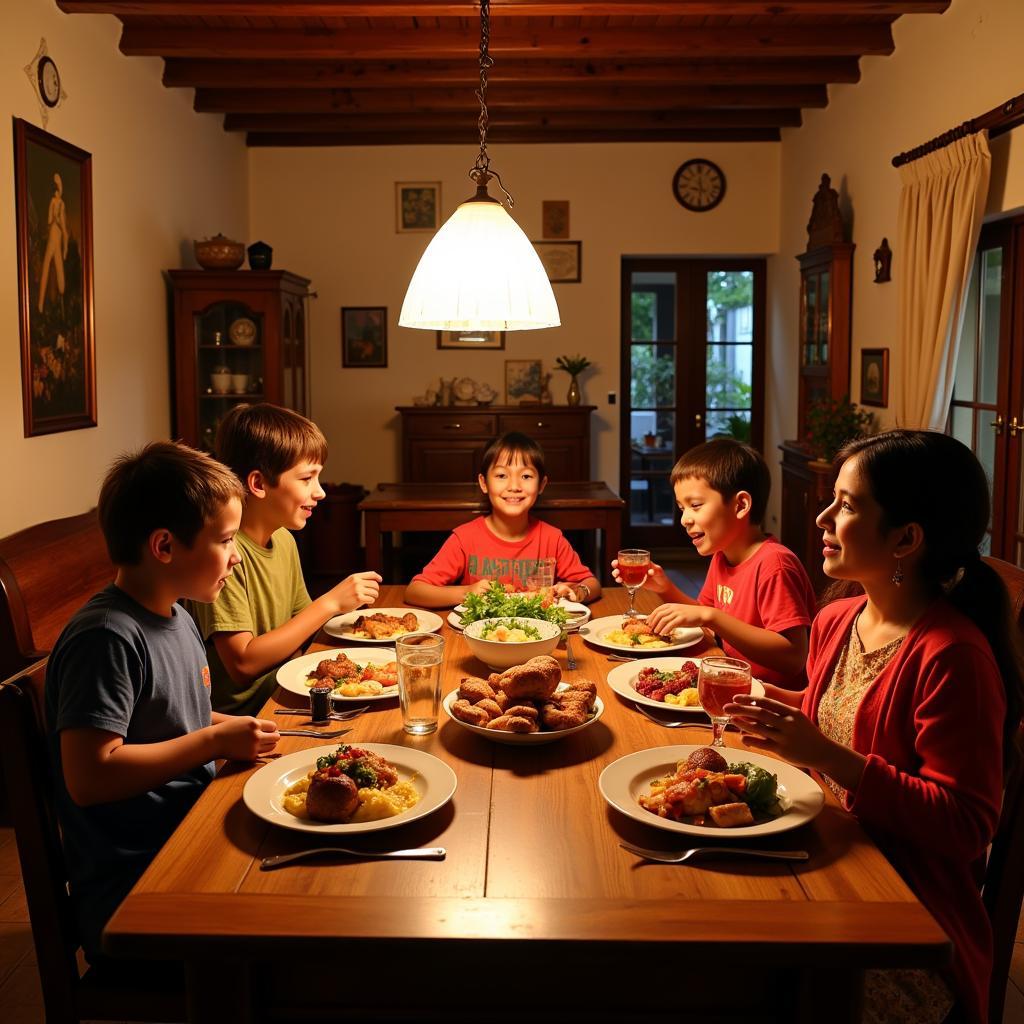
{"points": [[423, 853]]}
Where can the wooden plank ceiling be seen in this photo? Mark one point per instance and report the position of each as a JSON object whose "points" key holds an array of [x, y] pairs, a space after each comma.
{"points": [[369, 72]]}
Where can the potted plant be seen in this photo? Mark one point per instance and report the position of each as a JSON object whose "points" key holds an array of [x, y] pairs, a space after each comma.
{"points": [[831, 422], [574, 366]]}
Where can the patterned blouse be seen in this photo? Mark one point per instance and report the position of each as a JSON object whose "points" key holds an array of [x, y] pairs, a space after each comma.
{"points": [[899, 996]]}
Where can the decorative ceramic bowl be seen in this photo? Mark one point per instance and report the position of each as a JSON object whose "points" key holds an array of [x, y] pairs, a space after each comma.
{"points": [[219, 253], [498, 654]]}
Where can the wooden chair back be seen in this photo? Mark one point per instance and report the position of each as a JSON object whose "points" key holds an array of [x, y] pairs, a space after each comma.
{"points": [[67, 996], [1003, 890]]}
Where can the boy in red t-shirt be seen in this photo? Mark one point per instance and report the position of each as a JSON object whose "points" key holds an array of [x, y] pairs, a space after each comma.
{"points": [[757, 596], [507, 544]]}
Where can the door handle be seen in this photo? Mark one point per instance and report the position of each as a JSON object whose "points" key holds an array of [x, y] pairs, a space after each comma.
{"points": [[698, 420], [997, 424], [452, 426], [1015, 426]]}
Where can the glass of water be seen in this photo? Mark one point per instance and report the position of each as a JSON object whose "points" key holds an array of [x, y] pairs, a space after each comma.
{"points": [[419, 657]]}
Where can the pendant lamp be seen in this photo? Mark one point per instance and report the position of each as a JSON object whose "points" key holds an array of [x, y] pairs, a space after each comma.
{"points": [[480, 272]]}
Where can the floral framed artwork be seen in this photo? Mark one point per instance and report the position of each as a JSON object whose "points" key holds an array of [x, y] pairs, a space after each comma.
{"points": [[523, 381], [53, 218], [364, 336], [417, 206], [874, 377], [470, 339], [555, 218], [562, 261]]}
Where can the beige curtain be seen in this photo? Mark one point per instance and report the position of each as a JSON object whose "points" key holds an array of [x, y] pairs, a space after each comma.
{"points": [[941, 207]]}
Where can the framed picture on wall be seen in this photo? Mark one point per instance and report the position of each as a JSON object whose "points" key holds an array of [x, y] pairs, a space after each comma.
{"points": [[417, 206], [874, 377], [562, 260], [364, 336], [470, 339], [523, 381], [555, 218], [53, 221]]}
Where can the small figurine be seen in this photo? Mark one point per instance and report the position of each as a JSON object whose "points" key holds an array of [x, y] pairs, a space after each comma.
{"points": [[826, 225], [883, 262]]}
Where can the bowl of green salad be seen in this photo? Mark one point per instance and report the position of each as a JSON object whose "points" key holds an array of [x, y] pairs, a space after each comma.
{"points": [[501, 643]]}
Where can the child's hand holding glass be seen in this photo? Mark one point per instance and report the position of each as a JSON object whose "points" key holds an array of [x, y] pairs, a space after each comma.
{"points": [[657, 581]]}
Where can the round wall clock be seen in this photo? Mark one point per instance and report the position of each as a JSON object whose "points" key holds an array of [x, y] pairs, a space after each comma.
{"points": [[49, 81], [699, 185]]}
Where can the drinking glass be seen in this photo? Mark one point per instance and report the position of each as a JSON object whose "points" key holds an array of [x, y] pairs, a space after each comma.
{"points": [[718, 682], [633, 566], [419, 657], [542, 577]]}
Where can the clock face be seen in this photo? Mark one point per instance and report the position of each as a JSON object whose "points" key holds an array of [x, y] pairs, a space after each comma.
{"points": [[699, 185], [49, 81]]}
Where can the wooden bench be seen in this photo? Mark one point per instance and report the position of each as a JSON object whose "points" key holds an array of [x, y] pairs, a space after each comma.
{"points": [[47, 572]]}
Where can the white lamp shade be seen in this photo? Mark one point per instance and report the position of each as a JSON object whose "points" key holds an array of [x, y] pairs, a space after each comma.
{"points": [[480, 272]]}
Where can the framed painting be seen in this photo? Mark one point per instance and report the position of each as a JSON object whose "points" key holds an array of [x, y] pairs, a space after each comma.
{"points": [[417, 206], [555, 218], [53, 220], [470, 339], [523, 381], [364, 336], [562, 260], [874, 377]]}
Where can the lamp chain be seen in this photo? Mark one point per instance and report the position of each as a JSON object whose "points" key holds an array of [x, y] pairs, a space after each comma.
{"points": [[481, 172]]}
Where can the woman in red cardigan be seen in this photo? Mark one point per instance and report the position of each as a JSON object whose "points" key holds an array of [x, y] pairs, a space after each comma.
{"points": [[914, 695]]}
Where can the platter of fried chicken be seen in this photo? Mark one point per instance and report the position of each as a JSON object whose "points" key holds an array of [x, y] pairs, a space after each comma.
{"points": [[354, 673], [382, 625], [526, 704], [620, 632]]}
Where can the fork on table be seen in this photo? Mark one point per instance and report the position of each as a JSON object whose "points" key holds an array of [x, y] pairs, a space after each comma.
{"points": [[313, 733], [570, 660], [676, 723], [681, 856], [337, 716]]}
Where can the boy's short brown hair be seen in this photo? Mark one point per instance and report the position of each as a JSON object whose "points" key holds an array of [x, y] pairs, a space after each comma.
{"points": [[729, 467], [268, 438], [164, 485], [514, 443]]}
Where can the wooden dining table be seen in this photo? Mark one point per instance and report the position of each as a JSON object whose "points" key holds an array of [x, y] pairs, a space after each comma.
{"points": [[537, 912]]}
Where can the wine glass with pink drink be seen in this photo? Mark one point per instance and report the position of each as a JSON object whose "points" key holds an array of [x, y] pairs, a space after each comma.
{"points": [[633, 566], [718, 683]]}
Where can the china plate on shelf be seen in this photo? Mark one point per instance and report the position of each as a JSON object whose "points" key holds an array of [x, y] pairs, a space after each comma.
{"points": [[625, 779], [622, 679], [596, 631], [294, 675], [524, 739], [341, 625], [264, 790]]}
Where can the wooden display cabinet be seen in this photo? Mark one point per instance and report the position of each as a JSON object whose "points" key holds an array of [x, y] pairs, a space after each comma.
{"points": [[239, 336]]}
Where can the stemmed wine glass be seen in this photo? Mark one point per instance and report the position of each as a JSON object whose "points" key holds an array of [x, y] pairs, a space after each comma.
{"points": [[718, 683], [633, 566]]}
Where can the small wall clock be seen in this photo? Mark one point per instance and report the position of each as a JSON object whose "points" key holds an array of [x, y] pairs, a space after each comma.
{"points": [[46, 83], [699, 185]]}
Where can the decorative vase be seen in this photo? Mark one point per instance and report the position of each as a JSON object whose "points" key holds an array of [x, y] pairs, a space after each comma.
{"points": [[260, 256], [573, 398], [219, 253]]}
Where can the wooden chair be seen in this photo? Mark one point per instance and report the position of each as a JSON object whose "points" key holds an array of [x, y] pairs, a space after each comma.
{"points": [[1004, 875], [67, 997]]}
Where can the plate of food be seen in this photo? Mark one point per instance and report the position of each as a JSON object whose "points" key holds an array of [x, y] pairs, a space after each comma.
{"points": [[525, 705], [355, 673], [347, 789], [708, 791], [620, 632], [575, 613], [666, 683], [381, 625]]}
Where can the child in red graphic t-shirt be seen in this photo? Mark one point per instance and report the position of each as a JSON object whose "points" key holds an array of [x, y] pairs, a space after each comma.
{"points": [[506, 544], [757, 596]]}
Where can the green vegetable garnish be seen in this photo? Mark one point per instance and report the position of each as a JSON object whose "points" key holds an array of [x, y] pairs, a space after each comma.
{"points": [[497, 603], [762, 786], [530, 631]]}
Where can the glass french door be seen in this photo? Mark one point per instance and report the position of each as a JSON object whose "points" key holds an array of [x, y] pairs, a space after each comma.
{"points": [[692, 369], [987, 411]]}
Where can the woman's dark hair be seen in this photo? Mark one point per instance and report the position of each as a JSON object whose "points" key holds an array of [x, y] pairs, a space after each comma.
{"points": [[512, 444], [912, 474]]}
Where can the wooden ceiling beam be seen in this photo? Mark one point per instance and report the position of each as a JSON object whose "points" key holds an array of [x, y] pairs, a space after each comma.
{"points": [[502, 121], [524, 42], [499, 8], [322, 74], [603, 98]]}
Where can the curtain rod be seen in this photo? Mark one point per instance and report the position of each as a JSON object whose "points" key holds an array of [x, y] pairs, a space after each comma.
{"points": [[998, 120]]}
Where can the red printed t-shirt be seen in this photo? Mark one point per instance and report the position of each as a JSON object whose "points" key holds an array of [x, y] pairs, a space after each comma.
{"points": [[770, 590], [473, 552]]}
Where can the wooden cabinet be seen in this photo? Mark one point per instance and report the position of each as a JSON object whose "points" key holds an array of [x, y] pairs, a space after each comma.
{"points": [[239, 336], [445, 444], [806, 489]]}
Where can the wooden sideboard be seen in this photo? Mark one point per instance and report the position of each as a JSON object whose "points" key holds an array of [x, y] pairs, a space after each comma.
{"points": [[445, 444], [806, 489]]}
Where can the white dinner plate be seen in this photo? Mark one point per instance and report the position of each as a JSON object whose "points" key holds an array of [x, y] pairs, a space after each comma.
{"points": [[294, 675], [625, 779], [455, 620], [622, 679], [341, 625], [264, 790], [594, 631], [525, 739]]}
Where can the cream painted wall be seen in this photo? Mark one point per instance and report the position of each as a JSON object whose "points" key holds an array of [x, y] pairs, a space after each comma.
{"points": [[330, 215], [946, 68], [162, 175]]}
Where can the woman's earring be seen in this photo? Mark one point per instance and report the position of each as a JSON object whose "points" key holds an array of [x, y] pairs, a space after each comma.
{"points": [[897, 576]]}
